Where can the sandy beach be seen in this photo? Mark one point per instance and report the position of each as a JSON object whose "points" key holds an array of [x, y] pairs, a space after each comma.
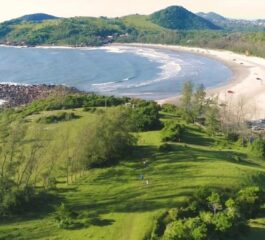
{"points": [[246, 88]]}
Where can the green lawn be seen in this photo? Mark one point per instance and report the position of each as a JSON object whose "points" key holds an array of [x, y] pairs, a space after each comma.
{"points": [[114, 204]]}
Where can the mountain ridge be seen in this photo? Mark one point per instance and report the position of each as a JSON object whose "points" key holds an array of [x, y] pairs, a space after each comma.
{"points": [[235, 25]]}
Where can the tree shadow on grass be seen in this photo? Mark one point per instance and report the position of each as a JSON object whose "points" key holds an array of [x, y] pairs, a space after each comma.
{"points": [[194, 136], [101, 222], [39, 207], [141, 198], [66, 190], [180, 153]]}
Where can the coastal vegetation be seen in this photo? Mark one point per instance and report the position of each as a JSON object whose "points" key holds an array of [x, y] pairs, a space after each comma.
{"points": [[77, 165], [174, 25], [111, 163]]}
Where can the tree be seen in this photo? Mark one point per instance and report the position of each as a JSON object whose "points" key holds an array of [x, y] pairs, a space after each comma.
{"points": [[176, 231], [249, 200], [186, 101], [108, 138], [188, 229], [212, 118], [172, 131], [145, 116], [214, 201], [199, 101], [222, 222], [258, 147]]}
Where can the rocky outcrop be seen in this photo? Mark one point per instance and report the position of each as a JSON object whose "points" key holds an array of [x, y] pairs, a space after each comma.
{"points": [[16, 95]]}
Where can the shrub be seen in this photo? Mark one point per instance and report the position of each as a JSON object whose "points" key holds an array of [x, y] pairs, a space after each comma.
{"points": [[159, 226], [169, 108], [210, 215], [172, 131], [145, 116], [64, 216], [249, 200], [72, 102], [108, 139], [188, 229], [258, 147], [232, 136], [14, 201]]}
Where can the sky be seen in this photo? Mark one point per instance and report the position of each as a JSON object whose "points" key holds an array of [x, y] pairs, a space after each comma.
{"points": [[245, 9]]}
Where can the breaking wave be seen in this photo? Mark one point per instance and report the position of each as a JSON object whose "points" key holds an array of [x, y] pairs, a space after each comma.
{"points": [[169, 67]]}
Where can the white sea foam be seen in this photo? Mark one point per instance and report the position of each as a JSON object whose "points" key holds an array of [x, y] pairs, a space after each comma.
{"points": [[15, 84], [110, 83], [2, 102], [102, 84], [169, 65], [113, 49]]}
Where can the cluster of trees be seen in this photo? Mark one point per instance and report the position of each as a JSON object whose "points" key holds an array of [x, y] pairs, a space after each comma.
{"points": [[78, 31], [224, 118], [108, 138], [197, 108], [169, 26], [19, 166], [210, 215], [145, 115], [31, 158]]}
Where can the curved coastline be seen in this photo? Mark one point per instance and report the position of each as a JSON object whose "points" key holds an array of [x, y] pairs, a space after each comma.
{"points": [[247, 84]]}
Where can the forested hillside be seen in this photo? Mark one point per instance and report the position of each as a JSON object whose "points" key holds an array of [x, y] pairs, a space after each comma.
{"points": [[178, 18], [174, 25]]}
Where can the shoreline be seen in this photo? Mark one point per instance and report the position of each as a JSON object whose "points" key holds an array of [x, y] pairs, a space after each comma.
{"points": [[246, 88], [246, 85]]}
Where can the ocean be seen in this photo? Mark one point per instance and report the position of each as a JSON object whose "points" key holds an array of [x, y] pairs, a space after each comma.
{"points": [[113, 70]]}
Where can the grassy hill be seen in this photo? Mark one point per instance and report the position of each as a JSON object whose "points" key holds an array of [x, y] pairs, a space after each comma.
{"points": [[113, 202]]}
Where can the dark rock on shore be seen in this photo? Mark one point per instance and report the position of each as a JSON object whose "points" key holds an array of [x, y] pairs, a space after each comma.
{"points": [[16, 95]]}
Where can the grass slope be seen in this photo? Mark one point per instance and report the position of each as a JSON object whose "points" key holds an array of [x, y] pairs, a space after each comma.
{"points": [[142, 23], [114, 204]]}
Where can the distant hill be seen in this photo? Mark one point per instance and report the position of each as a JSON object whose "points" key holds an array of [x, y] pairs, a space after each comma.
{"points": [[37, 17], [212, 16], [179, 18], [235, 25], [173, 25]]}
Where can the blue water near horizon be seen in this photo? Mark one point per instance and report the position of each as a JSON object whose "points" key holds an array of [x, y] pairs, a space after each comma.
{"points": [[122, 71]]}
